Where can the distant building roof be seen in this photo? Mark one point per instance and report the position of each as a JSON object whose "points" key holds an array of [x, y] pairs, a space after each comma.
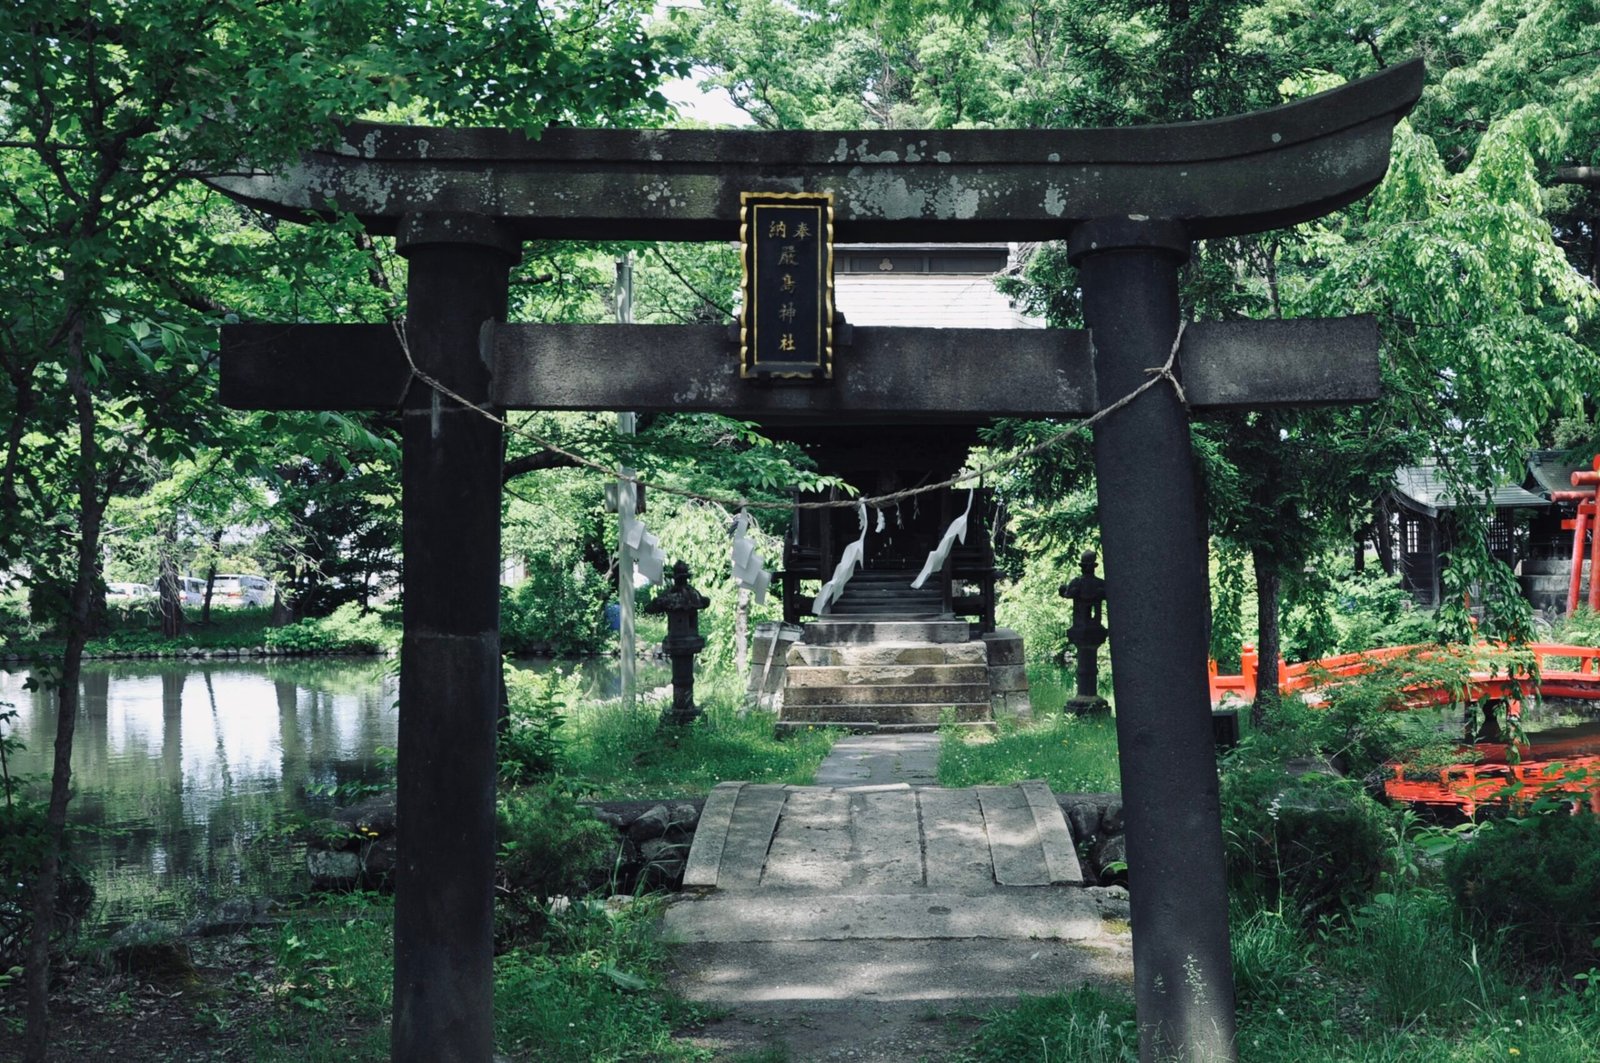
{"points": [[1550, 471], [1422, 487], [925, 286]]}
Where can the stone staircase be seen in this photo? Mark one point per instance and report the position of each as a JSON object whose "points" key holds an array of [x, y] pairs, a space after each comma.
{"points": [[885, 672], [887, 592]]}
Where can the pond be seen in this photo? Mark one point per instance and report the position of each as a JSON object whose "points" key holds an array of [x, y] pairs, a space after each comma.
{"points": [[190, 778]]}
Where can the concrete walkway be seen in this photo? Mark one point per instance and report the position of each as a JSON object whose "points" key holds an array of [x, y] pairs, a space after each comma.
{"points": [[851, 919], [876, 759]]}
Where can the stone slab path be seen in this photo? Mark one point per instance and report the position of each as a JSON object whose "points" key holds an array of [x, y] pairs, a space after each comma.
{"points": [[868, 917], [884, 757]]}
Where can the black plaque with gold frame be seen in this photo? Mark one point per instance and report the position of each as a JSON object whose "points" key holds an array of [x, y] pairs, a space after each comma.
{"points": [[786, 246]]}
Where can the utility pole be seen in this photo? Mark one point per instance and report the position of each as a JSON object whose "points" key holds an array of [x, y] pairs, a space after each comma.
{"points": [[627, 498]]}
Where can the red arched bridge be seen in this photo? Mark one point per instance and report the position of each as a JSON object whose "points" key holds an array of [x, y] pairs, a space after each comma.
{"points": [[1565, 766]]}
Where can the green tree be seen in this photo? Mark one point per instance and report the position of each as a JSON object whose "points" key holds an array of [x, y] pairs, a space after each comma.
{"points": [[110, 297]]}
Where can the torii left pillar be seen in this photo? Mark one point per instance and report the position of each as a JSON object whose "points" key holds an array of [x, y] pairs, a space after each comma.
{"points": [[450, 664]]}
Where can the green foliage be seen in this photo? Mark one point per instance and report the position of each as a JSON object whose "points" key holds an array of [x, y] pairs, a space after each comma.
{"points": [[550, 846], [1032, 605], [590, 991], [1073, 754], [612, 753], [331, 986], [1313, 844], [349, 629], [1269, 954], [1228, 585], [1087, 1024], [587, 992], [557, 611], [23, 844], [1370, 609], [529, 749], [1360, 724], [1532, 883], [1390, 933]]}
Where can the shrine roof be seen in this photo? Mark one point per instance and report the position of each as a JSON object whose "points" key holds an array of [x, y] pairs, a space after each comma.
{"points": [[1550, 471], [1247, 173], [1423, 488]]}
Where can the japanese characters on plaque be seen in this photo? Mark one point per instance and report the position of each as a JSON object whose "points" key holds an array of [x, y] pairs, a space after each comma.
{"points": [[786, 242]]}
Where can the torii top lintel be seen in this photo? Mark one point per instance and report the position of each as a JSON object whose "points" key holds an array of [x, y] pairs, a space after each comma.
{"points": [[1249, 173]]}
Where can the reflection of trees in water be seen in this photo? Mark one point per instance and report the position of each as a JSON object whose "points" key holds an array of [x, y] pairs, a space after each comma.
{"points": [[169, 836]]}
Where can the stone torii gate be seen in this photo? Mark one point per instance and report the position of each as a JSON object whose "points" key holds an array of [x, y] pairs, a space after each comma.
{"points": [[459, 202]]}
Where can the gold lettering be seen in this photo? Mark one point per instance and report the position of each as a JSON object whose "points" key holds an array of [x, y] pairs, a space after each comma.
{"points": [[786, 342], [786, 258], [788, 282], [786, 312], [778, 229], [801, 231]]}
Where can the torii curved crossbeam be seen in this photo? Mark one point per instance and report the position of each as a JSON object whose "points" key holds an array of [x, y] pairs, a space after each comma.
{"points": [[1258, 171]]}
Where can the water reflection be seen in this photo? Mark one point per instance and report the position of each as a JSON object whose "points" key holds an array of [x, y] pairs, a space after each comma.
{"points": [[191, 777]]}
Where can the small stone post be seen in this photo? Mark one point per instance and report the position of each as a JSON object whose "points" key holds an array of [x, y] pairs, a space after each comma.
{"points": [[682, 605]]}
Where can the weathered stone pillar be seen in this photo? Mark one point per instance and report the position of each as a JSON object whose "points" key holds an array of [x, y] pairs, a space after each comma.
{"points": [[450, 653], [1152, 532]]}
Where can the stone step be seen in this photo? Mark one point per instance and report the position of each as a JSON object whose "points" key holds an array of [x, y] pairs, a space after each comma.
{"points": [[972, 652], [861, 583], [872, 717], [903, 576], [885, 611], [860, 675], [1059, 915], [976, 693], [1549, 566], [826, 632], [770, 982]]}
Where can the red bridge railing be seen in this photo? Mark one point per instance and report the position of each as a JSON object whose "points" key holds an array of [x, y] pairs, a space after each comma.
{"points": [[1564, 671]]}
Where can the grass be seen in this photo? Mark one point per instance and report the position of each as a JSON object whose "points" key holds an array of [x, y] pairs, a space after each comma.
{"points": [[613, 753], [1073, 754], [589, 992], [1396, 982]]}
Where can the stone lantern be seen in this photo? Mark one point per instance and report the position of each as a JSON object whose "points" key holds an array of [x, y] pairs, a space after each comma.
{"points": [[682, 604]]}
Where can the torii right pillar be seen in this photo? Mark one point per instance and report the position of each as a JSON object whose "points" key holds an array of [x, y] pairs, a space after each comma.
{"points": [[1151, 523]]}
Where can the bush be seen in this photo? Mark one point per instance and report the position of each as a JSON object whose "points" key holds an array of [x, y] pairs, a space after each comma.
{"points": [[22, 848], [550, 846], [346, 630], [1314, 842], [529, 748], [1535, 881], [555, 612], [1360, 726]]}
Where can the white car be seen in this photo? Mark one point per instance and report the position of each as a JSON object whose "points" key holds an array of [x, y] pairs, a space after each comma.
{"points": [[235, 589], [129, 592]]}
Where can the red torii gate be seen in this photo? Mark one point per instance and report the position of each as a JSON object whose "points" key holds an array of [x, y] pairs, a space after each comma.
{"points": [[1584, 524]]}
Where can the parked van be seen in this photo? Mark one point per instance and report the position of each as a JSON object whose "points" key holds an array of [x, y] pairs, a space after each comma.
{"points": [[235, 589], [191, 592]]}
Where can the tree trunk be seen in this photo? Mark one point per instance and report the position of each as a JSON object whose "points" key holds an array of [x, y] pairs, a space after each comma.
{"points": [[282, 612], [741, 633], [1268, 643], [211, 577], [36, 1037], [170, 590]]}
